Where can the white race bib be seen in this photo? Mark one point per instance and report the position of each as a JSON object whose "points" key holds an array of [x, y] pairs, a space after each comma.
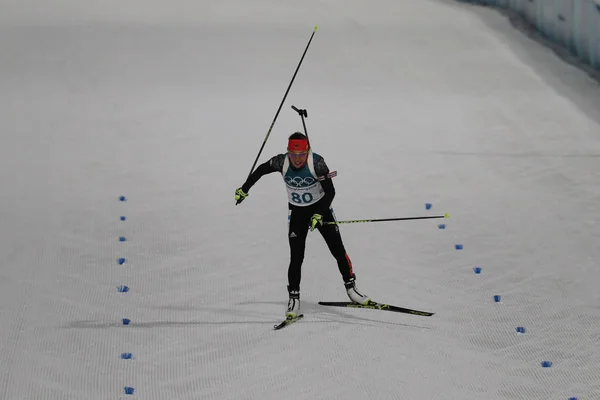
{"points": [[302, 186]]}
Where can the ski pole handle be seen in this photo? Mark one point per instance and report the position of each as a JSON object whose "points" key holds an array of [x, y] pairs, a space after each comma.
{"points": [[302, 112]]}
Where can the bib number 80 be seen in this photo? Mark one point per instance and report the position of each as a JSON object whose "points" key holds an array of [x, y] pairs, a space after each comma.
{"points": [[305, 198]]}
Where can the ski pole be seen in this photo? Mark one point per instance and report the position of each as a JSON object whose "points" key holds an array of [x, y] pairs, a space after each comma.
{"points": [[303, 114], [355, 221], [282, 101]]}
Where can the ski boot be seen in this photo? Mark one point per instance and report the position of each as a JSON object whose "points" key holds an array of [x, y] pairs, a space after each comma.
{"points": [[354, 295], [293, 308]]}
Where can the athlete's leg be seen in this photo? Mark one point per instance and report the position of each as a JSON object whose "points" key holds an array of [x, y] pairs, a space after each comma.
{"points": [[297, 231], [333, 238]]}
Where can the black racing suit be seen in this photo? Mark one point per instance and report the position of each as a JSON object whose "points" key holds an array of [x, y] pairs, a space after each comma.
{"points": [[299, 222]]}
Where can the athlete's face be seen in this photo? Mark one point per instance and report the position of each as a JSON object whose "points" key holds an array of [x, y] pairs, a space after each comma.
{"points": [[298, 159]]}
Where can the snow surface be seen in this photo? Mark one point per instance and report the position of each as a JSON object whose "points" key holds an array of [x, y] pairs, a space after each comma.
{"points": [[412, 102]]}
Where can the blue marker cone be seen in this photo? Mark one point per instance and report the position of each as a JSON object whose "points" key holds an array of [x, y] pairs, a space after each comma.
{"points": [[442, 226], [122, 289], [497, 298], [427, 206], [458, 246], [477, 270], [520, 329], [121, 261], [126, 321], [126, 356], [122, 198], [546, 364], [122, 239], [123, 218], [128, 390]]}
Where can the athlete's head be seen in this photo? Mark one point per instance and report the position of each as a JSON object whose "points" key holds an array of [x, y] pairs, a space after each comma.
{"points": [[298, 149]]}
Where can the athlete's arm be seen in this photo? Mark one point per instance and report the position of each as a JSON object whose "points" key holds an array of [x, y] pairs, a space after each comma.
{"points": [[275, 164], [321, 169]]}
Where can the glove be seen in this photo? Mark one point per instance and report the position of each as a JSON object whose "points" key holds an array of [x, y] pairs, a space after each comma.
{"points": [[240, 196], [316, 219]]}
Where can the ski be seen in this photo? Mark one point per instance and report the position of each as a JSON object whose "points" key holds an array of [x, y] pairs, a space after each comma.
{"points": [[288, 321], [376, 306]]}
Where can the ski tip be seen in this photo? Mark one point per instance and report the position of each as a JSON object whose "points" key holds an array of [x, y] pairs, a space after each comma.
{"points": [[316, 27], [447, 215]]}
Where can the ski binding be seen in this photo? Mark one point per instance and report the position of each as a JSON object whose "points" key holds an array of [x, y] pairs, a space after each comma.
{"points": [[288, 321]]}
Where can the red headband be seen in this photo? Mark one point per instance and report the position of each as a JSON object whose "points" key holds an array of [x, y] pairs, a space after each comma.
{"points": [[298, 145]]}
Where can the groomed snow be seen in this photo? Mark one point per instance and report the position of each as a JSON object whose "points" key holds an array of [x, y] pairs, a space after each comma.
{"points": [[412, 102]]}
